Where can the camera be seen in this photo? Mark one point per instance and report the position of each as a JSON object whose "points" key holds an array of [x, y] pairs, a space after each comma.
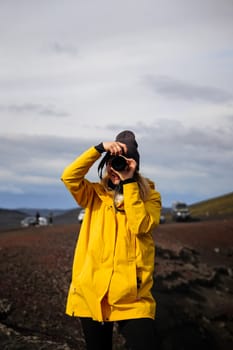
{"points": [[119, 163]]}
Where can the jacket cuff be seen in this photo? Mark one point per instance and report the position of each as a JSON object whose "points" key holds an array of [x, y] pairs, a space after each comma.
{"points": [[128, 181], [100, 148]]}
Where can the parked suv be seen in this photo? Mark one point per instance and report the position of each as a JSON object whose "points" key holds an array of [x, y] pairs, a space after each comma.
{"points": [[180, 211]]}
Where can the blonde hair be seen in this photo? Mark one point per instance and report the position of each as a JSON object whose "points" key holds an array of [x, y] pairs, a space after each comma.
{"points": [[144, 184]]}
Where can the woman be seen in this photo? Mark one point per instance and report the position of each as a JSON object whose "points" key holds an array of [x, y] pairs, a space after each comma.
{"points": [[114, 257]]}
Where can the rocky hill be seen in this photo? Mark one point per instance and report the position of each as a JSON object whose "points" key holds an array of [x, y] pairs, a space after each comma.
{"points": [[218, 207]]}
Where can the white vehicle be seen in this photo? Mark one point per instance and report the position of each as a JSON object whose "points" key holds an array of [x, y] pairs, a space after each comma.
{"points": [[180, 211], [81, 215], [31, 221]]}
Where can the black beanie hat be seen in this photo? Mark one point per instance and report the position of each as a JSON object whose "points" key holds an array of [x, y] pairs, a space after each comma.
{"points": [[128, 138]]}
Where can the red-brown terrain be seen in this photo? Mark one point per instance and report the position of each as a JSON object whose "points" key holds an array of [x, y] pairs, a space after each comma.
{"points": [[193, 287]]}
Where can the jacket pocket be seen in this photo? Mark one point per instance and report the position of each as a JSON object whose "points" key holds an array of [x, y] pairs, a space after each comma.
{"points": [[139, 278], [123, 284]]}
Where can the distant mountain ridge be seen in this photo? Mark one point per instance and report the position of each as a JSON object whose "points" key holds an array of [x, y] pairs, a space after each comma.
{"points": [[10, 218], [214, 208], [42, 211]]}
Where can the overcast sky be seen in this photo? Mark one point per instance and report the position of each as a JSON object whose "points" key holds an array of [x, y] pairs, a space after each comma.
{"points": [[74, 73]]}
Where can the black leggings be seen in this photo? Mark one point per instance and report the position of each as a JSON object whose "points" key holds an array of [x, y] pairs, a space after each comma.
{"points": [[138, 333]]}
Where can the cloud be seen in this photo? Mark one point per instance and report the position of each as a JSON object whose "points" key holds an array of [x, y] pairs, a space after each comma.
{"points": [[177, 158], [11, 189], [177, 89], [33, 108], [63, 48], [37, 155], [90, 69]]}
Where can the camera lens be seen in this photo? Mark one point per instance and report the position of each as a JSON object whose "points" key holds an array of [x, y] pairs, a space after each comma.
{"points": [[118, 163]]}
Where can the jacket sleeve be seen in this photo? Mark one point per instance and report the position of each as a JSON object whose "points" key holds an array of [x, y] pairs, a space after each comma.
{"points": [[142, 216], [74, 176]]}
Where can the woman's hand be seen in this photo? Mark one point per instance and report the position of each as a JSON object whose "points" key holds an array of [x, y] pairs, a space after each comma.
{"points": [[129, 171], [115, 148]]}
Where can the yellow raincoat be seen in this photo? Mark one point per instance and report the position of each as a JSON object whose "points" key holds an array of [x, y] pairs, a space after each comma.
{"points": [[114, 257]]}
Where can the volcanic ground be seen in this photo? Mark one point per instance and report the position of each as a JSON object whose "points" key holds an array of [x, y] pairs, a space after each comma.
{"points": [[193, 287]]}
